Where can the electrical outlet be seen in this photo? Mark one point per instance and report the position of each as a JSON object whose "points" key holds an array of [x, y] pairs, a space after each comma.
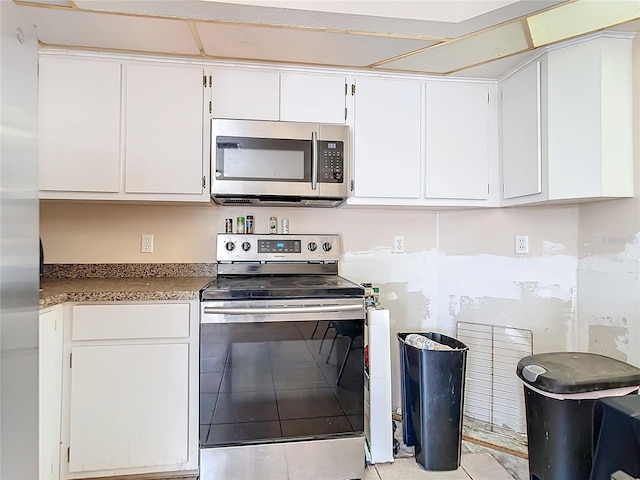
{"points": [[398, 244], [146, 244], [522, 244]]}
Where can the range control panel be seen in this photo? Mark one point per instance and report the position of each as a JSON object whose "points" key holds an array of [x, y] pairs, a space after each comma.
{"points": [[265, 247]]}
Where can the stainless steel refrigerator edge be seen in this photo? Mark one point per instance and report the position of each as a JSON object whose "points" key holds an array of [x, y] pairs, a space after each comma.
{"points": [[19, 271]]}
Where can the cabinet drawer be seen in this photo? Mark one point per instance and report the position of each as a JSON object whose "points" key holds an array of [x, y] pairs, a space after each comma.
{"points": [[104, 322]]}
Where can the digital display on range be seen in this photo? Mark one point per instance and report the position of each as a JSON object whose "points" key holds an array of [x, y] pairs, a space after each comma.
{"points": [[278, 246]]}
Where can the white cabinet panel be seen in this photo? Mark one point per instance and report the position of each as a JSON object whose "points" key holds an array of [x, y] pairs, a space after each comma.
{"points": [[50, 347], [164, 133], [79, 117], [387, 138], [590, 120], [457, 140], [245, 94], [521, 133], [129, 406], [161, 320], [312, 98]]}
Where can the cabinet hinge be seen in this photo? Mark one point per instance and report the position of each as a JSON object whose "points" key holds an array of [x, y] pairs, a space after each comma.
{"points": [[68, 454], [70, 359], [488, 98], [345, 113], [204, 80], [209, 106], [210, 82], [353, 185], [488, 188], [353, 89], [346, 89], [204, 181]]}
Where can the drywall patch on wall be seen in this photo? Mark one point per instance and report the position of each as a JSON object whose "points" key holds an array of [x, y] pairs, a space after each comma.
{"points": [[548, 319], [430, 291], [610, 337], [609, 303], [551, 248], [474, 283]]}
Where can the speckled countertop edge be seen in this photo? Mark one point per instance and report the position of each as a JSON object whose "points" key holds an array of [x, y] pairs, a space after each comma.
{"points": [[141, 282]]}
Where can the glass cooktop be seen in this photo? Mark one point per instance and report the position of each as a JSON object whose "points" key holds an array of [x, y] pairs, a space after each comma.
{"points": [[280, 286]]}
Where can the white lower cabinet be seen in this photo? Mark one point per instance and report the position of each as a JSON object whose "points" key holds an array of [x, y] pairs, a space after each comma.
{"points": [[130, 389], [50, 348]]}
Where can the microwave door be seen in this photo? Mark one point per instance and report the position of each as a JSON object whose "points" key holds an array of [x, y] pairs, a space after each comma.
{"points": [[264, 166]]}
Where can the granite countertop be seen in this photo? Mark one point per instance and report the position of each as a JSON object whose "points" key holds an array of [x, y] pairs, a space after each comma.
{"points": [[122, 282]]}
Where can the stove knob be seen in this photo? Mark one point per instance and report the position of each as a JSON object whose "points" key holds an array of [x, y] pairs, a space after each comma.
{"points": [[312, 246], [326, 246], [230, 246], [246, 246]]}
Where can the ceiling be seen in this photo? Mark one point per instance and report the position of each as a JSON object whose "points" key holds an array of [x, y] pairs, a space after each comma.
{"points": [[471, 38]]}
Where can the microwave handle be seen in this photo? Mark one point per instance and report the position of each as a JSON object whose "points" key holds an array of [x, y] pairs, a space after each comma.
{"points": [[314, 160]]}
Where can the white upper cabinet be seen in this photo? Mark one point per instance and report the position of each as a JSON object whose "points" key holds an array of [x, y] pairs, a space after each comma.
{"points": [[312, 98], [387, 139], [585, 144], [164, 134], [79, 117], [245, 94], [521, 135], [256, 94], [590, 120], [424, 144], [457, 142], [119, 130]]}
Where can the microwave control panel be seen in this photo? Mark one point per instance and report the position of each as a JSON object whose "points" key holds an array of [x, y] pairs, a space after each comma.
{"points": [[331, 161]]}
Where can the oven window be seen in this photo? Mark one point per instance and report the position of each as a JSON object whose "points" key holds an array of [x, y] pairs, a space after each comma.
{"points": [[280, 381]]}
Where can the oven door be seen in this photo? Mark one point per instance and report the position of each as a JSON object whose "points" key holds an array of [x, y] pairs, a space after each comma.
{"points": [[281, 371]]}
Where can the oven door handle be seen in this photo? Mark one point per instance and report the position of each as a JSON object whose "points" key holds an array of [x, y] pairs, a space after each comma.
{"points": [[280, 310]]}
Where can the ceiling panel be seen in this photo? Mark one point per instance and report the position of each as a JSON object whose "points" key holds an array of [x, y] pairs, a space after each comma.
{"points": [[435, 10], [496, 69], [114, 32], [301, 46], [489, 45]]}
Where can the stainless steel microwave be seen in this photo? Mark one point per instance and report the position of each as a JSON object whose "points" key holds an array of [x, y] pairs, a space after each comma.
{"points": [[279, 163]]}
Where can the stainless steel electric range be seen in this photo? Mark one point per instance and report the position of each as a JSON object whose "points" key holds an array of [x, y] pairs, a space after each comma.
{"points": [[281, 362]]}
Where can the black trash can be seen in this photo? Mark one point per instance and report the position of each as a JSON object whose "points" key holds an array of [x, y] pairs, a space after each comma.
{"points": [[432, 400], [560, 391]]}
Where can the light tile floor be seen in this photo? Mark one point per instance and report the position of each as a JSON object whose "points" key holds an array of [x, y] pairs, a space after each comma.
{"points": [[477, 463]]}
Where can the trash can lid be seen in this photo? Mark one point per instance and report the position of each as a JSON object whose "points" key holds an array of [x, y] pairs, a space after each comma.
{"points": [[576, 372]]}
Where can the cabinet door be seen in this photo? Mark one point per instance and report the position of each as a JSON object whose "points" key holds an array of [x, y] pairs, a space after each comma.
{"points": [[457, 140], [79, 117], [245, 94], [164, 129], [312, 98], [386, 138], [50, 346], [521, 133], [129, 407]]}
